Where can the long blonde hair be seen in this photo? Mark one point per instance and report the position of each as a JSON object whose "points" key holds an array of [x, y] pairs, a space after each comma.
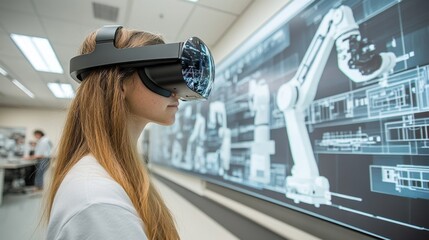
{"points": [[97, 124]]}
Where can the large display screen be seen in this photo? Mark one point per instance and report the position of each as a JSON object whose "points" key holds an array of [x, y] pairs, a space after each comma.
{"points": [[327, 114]]}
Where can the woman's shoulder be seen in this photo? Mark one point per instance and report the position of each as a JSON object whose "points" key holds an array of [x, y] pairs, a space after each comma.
{"points": [[87, 167], [89, 183], [88, 191]]}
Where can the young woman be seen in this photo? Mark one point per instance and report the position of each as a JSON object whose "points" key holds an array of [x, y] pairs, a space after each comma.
{"points": [[100, 187]]}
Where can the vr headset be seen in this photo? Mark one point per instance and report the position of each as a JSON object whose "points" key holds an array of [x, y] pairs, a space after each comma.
{"points": [[186, 68]]}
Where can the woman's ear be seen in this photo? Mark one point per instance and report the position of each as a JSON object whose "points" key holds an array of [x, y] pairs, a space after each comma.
{"points": [[123, 86], [128, 83]]}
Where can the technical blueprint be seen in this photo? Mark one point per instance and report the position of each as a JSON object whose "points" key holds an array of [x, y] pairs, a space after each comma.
{"points": [[368, 138]]}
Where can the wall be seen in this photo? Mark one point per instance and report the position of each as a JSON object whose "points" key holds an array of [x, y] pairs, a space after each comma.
{"points": [[50, 121], [257, 14]]}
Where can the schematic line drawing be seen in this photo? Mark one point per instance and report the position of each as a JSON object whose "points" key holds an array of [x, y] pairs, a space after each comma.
{"points": [[402, 180]]}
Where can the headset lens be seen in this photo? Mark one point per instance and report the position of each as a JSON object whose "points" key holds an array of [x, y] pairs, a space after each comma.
{"points": [[197, 66]]}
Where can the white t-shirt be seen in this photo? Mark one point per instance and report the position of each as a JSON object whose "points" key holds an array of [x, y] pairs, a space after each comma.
{"points": [[43, 147], [89, 204]]}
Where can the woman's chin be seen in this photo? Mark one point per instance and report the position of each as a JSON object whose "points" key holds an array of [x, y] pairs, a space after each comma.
{"points": [[167, 122]]}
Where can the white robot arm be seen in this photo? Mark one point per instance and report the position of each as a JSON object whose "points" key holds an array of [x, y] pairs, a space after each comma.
{"points": [[358, 61], [198, 135], [217, 116], [259, 101], [262, 147]]}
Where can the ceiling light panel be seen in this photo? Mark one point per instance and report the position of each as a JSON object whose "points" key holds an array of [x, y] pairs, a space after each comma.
{"points": [[61, 90], [23, 88], [38, 52], [3, 72]]}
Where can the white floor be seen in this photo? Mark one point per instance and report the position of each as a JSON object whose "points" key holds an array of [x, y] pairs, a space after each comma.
{"points": [[20, 214]]}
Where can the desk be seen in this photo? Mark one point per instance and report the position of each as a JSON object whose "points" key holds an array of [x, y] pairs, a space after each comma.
{"points": [[12, 164]]}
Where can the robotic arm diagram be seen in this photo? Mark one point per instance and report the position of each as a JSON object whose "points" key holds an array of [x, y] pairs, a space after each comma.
{"points": [[358, 61], [325, 110]]}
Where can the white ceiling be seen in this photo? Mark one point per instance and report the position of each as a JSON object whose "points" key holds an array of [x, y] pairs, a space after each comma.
{"points": [[66, 23]]}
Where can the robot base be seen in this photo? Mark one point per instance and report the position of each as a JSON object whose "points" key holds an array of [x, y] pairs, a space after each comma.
{"points": [[312, 191]]}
